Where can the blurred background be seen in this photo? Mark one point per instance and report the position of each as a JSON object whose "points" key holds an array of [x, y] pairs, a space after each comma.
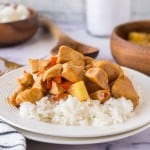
{"points": [[72, 11], [76, 17]]}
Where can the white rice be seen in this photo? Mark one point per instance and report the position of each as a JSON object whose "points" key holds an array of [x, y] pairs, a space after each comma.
{"points": [[10, 13], [73, 112]]}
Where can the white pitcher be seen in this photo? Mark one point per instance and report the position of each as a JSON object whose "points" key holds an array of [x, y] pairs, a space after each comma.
{"points": [[103, 15]]}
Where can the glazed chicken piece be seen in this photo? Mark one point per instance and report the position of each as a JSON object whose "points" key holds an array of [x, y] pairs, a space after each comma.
{"points": [[39, 84], [31, 95], [38, 64], [26, 81], [66, 54], [56, 89], [124, 87], [12, 99], [88, 62], [101, 95], [113, 70], [72, 73], [79, 62], [99, 76], [90, 85], [52, 72]]}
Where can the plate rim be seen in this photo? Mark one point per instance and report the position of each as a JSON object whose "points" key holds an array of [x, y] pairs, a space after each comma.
{"points": [[76, 141]]}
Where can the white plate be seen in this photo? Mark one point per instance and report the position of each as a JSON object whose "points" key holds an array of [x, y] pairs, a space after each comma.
{"points": [[11, 114], [79, 141]]}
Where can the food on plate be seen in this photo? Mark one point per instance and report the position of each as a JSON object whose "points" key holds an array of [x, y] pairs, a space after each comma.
{"points": [[98, 76], [100, 87], [73, 112], [79, 90], [31, 95], [140, 38], [122, 86], [37, 65], [26, 81], [112, 70], [101, 95], [12, 12]]}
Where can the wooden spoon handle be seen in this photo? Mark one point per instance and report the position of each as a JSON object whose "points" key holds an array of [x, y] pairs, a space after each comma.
{"points": [[51, 27]]}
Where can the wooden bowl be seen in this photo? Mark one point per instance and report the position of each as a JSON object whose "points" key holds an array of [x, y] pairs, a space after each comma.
{"points": [[19, 31], [127, 53]]}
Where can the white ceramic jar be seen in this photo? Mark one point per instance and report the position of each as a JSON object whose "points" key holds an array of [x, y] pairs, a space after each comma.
{"points": [[103, 15]]}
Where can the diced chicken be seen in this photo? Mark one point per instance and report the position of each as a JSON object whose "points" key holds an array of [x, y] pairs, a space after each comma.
{"points": [[39, 84], [99, 76], [88, 62], [72, 73], [38, 64], [91, 86], [27, 80], [66, 54], [101, 95], [79, 62], [30, 95], [52, 72], [56, 89], [124, 87], [12, 99], [113, 70]]}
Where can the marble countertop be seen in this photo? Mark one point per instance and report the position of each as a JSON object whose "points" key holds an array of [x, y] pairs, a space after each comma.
{"points": [[39, 47]]}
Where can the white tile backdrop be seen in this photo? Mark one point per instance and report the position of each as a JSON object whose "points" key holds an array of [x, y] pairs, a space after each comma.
{"points": [[140, 9], [71, 11]]}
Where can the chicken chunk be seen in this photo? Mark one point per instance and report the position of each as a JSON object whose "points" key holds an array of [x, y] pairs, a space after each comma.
{"points": [[124, 87], [88, 62], [72, 73], [79, 62], [91, 86], [113, 70], [52, 72], [31, 95], [56, 89], [12, 99], [27, 80], [101, 95], [38, 64], [99, 76], [39, 84], [66, 54]]}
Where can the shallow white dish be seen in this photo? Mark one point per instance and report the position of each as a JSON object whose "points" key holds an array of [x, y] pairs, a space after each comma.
{"points": [[79, 141], [11, 114]]}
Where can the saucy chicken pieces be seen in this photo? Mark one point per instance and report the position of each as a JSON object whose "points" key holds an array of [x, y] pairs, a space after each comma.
{"points": [[70, 72]]}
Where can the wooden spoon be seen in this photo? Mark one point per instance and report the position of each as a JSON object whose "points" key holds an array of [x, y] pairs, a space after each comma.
{"points": [[64, 39]]}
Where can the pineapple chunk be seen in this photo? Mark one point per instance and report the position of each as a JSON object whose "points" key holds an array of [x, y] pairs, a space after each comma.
{"points": [[79, 90]]}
